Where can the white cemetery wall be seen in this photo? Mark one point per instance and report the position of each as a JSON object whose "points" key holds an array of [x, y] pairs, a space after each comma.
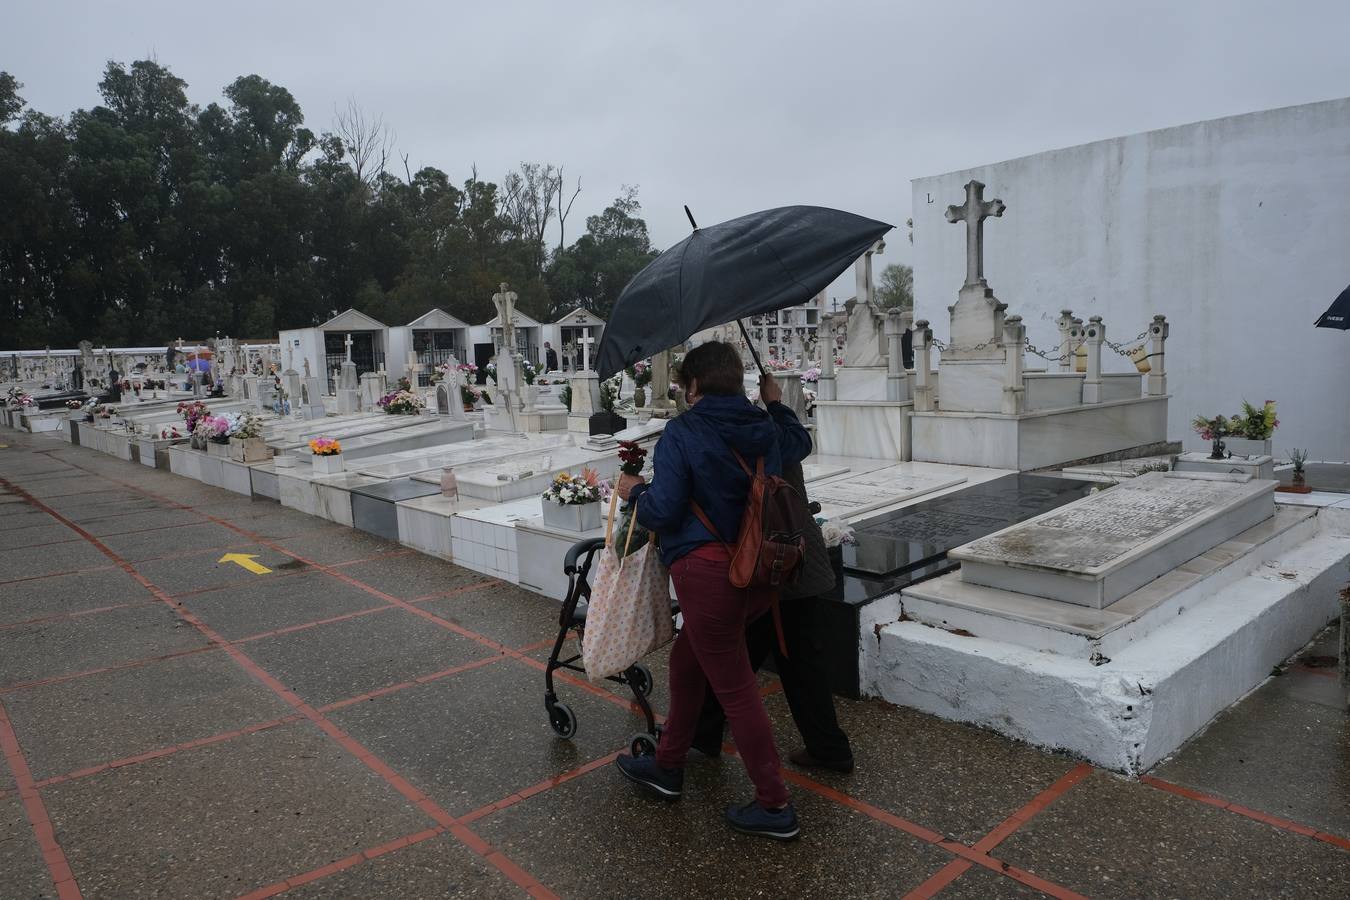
{"points": [[1234, 229], [396, 360]]}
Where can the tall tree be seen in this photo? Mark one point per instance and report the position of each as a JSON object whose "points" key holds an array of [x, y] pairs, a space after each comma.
{"points": [[895, 287]]}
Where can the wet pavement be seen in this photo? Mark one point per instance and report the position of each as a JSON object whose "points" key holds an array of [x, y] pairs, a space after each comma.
{"points": [[364, 721]]}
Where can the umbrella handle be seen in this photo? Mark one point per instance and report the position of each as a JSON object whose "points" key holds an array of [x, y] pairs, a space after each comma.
{"points": [[751, 344]]}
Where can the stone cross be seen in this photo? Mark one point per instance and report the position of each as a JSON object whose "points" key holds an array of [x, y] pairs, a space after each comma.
{"points": [[348, 344], [586, 342], [973, 212], [505, 302]]}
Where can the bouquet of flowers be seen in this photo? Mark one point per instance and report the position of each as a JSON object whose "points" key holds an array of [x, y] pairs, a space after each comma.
{"points": [[528, 371], [631, 457], [215, 429], [1257, 423], [491, 372], [322, 446], [469, 370], [402, 403], [469, 394], [568, 489], [641, 373], [170, 433], [836, 532], [811, 375], [73, 404], [404, 384], [247, 426], [609, 392], [780, 365], [1213, 429], [192, 413]]}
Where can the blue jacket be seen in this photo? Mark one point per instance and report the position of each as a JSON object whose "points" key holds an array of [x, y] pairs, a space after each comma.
{"points": [[693, 460]]}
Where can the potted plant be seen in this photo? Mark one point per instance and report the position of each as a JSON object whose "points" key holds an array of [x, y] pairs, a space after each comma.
{"points": [[246, 440], [216, 430], [1213, 430], [572, 502], [327, 456], [402, 403], [1252, 430], [641, 373], [468, 395], [1299, 458]]}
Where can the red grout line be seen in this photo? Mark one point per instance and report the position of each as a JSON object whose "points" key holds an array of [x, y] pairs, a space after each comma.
{"points": [[404, 685], [61, 617], [291, 629], [345, 863], [517, 875], [939, 880], [57, 865], [539, 788], [1032, 809], [1256, 815], [462, 589], [169, 751], [132, 664]]}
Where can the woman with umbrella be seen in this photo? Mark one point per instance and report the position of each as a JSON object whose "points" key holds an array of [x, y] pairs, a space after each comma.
{"points": [[698, 479]]}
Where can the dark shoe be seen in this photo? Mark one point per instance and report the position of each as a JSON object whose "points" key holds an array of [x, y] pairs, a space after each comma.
{"points": [[804, 759], [643, 770], [778, 824]]}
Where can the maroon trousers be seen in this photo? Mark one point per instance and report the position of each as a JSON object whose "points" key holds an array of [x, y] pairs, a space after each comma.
{"points": [[710, 652]]}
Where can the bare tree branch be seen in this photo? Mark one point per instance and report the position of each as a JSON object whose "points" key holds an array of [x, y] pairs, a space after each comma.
{"points": [[368, 142], [563, 213]]}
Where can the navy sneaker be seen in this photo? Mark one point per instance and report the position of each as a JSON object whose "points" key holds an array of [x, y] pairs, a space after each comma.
{"points": [[643, 770], [779, 824]]}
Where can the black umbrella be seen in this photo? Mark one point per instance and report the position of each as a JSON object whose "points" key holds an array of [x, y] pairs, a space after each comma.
{"points": [[1338, 314], [756, 264]]}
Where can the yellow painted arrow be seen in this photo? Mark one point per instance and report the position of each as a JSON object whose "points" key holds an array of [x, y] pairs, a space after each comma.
{"points": [[245, 561]]}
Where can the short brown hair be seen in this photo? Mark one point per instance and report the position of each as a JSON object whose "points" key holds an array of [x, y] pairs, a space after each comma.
{"points": [[717, 368]]}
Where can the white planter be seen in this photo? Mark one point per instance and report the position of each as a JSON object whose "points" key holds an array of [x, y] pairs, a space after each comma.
{"points": [[328, 464], [284, 461], [1244, 447], [219, 450], [577, 517], [248, 450]]}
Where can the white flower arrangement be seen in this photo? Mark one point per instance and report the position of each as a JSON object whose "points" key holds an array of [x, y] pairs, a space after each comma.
{"points": [[836, 532], [569, 490]]}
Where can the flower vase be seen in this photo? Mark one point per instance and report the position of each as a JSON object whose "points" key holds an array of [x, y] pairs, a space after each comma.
{"points": [[639, 397], [1216, 451], [449, 484], [577, 517], [1247, 446], [328, 464]]}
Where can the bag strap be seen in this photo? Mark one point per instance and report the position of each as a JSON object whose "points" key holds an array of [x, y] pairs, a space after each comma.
{"points": [[628, 542], [609, 523], [707, 523]]}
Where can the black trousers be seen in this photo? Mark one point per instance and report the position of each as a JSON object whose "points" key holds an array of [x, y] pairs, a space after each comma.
{"points": [[806, 684]]}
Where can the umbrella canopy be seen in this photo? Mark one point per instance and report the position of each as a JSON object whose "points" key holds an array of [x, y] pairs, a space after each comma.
{"points": [[1338, 314], [199, 365], [756, 264]]}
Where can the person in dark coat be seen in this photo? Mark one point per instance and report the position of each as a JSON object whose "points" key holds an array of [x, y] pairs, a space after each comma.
{"points": [[805, 678], [695, 463], [550, 358]]}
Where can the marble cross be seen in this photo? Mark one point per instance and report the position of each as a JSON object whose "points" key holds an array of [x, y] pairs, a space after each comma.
{"points": [[348, 344], [586, 351], [973, 212]]}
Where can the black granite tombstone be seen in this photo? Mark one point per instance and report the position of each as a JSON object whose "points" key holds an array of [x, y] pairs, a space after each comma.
{"points": [[901, 548], [606, 422], [374, 507]]}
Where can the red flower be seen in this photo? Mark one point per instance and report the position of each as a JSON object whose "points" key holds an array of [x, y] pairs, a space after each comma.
{"points": [[632, 457]]}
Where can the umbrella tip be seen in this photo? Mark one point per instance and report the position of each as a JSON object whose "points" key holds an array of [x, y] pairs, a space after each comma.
{"points": [[691, 217]]}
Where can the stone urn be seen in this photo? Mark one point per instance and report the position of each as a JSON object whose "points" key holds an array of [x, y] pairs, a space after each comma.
{"points": [[578, 517], [639, 397], [328, 463]]}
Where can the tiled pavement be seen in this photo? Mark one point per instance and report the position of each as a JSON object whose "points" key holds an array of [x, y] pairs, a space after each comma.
{"points": [[362, 721]]}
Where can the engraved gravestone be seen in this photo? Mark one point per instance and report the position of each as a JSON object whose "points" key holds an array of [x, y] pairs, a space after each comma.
{"points": [[1098, 550]]}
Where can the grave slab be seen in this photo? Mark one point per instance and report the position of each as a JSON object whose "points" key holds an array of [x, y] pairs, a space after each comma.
{"points": [[374, 506], [1109, 544]]}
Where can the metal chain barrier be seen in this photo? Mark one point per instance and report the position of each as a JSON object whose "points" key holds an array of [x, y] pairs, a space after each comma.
{"points": [[1031, 348], [1134, 344]]}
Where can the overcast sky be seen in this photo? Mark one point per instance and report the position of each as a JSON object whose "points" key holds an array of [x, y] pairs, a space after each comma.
{"points": [[727, 106]]}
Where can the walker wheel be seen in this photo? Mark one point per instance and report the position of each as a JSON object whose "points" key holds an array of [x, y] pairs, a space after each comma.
{"points": [[642, 745], [562, 720], [640, 678]]}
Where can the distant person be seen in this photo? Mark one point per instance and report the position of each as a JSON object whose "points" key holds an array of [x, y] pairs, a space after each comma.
{"points": [[698, 477], [550, 358]]}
